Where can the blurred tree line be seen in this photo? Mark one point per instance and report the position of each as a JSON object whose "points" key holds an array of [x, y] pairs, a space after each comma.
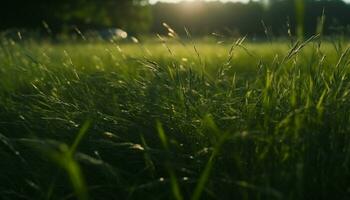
{"points": [[202, 18], [254, 18], [131, 15]]}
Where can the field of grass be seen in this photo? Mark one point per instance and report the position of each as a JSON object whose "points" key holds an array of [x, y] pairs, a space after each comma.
{"points": [[174, 120]]}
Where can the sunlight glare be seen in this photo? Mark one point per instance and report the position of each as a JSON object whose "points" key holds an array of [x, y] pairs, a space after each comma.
{"points": [[177, 1]]}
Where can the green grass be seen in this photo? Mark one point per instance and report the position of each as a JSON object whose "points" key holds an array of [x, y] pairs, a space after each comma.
{"points": [[179, 120]]}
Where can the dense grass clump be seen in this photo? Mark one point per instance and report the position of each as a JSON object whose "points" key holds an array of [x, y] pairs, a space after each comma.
{"points": [[188, 120]]}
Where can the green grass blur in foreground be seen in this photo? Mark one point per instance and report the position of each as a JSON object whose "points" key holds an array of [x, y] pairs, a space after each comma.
{"points": [[175, 120]]}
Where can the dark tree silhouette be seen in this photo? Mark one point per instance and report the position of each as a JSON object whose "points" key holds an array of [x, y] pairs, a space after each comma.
{"points": [[129, 14], [200, 17]]}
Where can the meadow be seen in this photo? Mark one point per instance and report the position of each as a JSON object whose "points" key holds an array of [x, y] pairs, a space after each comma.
{"points": [[175, 119]]}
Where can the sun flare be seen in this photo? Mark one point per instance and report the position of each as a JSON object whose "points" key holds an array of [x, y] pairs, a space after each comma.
{"points": [[177, 1]]}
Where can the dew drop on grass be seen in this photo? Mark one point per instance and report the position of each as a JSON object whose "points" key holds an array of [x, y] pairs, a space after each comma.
{"points": [[137, 147], [74, 124], [244, 134], [121, 33], [19, 35], [108, 134], [96, 153], [134, 39]]}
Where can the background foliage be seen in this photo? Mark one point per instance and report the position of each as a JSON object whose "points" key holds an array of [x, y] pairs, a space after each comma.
{"points": [[203, 18]]}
